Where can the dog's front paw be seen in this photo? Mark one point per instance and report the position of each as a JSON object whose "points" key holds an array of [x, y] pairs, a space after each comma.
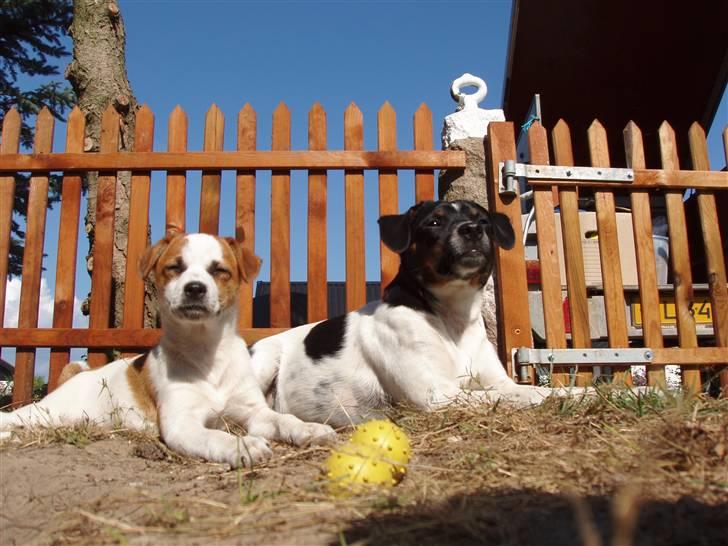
{"points": [[314, 433], [251, 450]]}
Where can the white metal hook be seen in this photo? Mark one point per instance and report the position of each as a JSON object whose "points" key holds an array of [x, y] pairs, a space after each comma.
{"points": [[468, 101]]}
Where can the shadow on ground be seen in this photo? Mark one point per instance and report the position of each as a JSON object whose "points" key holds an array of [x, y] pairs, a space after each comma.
{"points": [[525, 518]]}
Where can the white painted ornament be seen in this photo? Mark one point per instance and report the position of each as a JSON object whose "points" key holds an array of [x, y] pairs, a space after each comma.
{"points": [[469, 120]]}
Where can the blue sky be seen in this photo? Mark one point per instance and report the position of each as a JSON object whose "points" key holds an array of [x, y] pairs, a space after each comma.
{"points": [[194, 53]]}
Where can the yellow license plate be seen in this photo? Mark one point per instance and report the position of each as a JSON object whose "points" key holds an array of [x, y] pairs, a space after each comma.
{"points": [[702, 312]]}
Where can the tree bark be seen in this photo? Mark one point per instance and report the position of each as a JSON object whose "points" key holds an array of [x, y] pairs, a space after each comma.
{"points": [[99, 78]]}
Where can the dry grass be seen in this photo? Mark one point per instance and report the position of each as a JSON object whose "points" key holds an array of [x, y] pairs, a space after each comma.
{"points": [[618, 469]]}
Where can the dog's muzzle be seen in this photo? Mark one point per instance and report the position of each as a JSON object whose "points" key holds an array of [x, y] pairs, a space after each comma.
{"points": [[194, 305]]}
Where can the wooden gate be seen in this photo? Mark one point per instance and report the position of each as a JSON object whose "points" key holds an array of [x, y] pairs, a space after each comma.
{"points": [[642, 186], [176, 162]]}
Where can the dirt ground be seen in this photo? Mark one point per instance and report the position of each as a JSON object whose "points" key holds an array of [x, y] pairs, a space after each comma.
{"points": [[606, 471]]}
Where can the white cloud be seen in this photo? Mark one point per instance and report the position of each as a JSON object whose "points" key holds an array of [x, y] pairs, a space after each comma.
{"points": [[45, 320], [45, 305]]}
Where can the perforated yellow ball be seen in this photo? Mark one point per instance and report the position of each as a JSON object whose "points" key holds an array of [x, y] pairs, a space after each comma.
{"points": [[389, 439], [354, 468]]}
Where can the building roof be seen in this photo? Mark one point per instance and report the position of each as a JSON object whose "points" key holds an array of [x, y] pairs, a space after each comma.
{"points": [[617, 60], [299, 301]]}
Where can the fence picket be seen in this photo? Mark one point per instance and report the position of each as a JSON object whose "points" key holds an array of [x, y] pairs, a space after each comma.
{"points": [[679, 257], [210, 191], [280, 226], [33, 260], [100, 308], [67, 247], [388, 188], [354, 203], [573, 255], [645, 254], [317, 306], [614, 302], [548, 254], [424, 179], [513, 287], [176, 180], [714, 258], [138, 223], [9, 145], [245, 207]]}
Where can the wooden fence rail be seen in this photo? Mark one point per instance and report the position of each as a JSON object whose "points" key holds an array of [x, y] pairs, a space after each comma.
{"points": [[245, 160], [516, 319]]}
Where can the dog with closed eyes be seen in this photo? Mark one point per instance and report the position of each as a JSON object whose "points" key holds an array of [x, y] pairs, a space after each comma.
{"points": [[196, 378], [423, 344]]}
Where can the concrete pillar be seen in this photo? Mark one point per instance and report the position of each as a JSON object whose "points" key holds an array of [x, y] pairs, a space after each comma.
{"points": [[466, 130]]}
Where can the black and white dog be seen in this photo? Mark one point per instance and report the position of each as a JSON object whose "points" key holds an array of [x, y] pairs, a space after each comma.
{"points": [[423, 344]]}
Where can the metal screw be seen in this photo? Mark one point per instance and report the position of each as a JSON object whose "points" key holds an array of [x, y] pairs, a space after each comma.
{"points": [[648, 355], [568, 173]]}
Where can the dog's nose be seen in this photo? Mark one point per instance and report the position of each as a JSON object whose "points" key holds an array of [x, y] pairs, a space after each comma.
{"points": [[195, 290], [470, 230]]}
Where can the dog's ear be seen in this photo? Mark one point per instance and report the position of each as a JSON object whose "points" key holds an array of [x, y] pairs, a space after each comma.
{"points": [[501, 230], [394, 229], [151, 255], [248, 263]]}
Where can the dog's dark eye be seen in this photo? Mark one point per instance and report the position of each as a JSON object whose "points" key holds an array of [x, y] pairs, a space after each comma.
{"points": [[434, 223]]}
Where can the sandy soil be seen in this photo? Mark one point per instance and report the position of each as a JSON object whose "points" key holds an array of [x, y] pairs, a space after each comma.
{"points": [[551, 476]]}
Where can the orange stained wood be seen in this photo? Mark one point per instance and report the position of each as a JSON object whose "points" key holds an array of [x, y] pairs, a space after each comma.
{"points": [[138, 223], [67, 247], [176, 180], [103, 338], [245, 207], [318, 307], [715, 261], [548, 253], [280, 226], [511, 273], [33, 260], [645, 253], [354, 203], [9, 145], [424, 179], [680, 257], [609, 255], [103, 248], [388, 188], [573, 255], [273, 159], [210, 189]]}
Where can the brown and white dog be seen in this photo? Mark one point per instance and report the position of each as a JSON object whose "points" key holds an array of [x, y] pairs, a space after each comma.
{"points": [[196, 378], [424, 344]]}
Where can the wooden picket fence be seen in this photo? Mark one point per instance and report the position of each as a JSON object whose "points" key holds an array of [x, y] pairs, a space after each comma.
{"points": [[245, 161], [671, 181]]}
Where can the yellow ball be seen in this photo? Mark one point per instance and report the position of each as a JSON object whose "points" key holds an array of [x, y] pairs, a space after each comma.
{"points": [[355, 468], [388, 438]]}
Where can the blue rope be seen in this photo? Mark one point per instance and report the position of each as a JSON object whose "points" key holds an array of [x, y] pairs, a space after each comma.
{"points": [[526, 126]]}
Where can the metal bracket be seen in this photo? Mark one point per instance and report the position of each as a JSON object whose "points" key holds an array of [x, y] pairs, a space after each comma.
{"points": [[509, 171], [525, 356], [584, 357]]}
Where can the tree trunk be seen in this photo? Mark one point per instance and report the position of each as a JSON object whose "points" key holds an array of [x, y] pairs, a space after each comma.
{"points": [[98, 76]]}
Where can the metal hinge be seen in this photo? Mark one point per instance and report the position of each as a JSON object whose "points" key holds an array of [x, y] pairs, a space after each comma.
{"points": [[525, 356], [510, 170]]}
